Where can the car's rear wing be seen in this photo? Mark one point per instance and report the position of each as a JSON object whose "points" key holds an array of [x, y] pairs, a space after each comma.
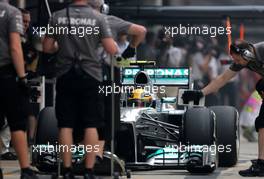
{"points": [[159, 76]]}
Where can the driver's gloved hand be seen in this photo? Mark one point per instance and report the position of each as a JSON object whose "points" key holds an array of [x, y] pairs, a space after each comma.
{"points": [[129, 52], [23, 86], [193, 95]]}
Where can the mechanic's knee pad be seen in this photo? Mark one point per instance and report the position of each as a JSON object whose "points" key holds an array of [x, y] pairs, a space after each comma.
{"points": [[259, 123]]}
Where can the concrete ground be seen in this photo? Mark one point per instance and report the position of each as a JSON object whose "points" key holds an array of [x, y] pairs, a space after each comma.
{"points": [[248, 151]]}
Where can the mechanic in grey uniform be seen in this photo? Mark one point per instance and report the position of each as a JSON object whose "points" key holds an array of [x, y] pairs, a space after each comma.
{"points": [[14, 91], [118, 27], [79, 75], [250, 56]]}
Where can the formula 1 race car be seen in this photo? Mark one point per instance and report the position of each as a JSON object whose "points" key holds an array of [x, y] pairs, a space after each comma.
{"points": [[157, 133], [194, 137]]}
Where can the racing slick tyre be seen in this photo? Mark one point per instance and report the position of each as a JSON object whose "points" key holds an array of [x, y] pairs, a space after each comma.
{"points": [[47, 134], [199, 129], [199, 126], [227, 133], [47, 131]]}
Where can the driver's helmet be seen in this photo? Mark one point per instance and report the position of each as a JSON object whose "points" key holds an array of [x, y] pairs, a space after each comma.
{"points": [[140, 98]]}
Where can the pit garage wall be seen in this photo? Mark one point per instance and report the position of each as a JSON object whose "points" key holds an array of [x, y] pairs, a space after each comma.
{"points": [[254, 28], [20, 3], [185, 2], [201, 2]]}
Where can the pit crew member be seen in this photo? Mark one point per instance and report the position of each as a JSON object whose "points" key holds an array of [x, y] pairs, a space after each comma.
{"points": [[79, 73], [30, 57], [250, 56], [118, 27], [14, 91]]}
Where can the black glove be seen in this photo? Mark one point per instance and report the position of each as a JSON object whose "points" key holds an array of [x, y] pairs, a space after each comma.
{"points": [[194, 95], [34, 94], [23, 86], [129, 52], [31, 75]]}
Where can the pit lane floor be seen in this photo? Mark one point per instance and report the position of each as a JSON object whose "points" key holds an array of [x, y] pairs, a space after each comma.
{"points": [[248, 151]]}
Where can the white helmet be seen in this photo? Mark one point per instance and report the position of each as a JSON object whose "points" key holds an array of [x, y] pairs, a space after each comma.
{"points": [[96, 3], [104, 8]]}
